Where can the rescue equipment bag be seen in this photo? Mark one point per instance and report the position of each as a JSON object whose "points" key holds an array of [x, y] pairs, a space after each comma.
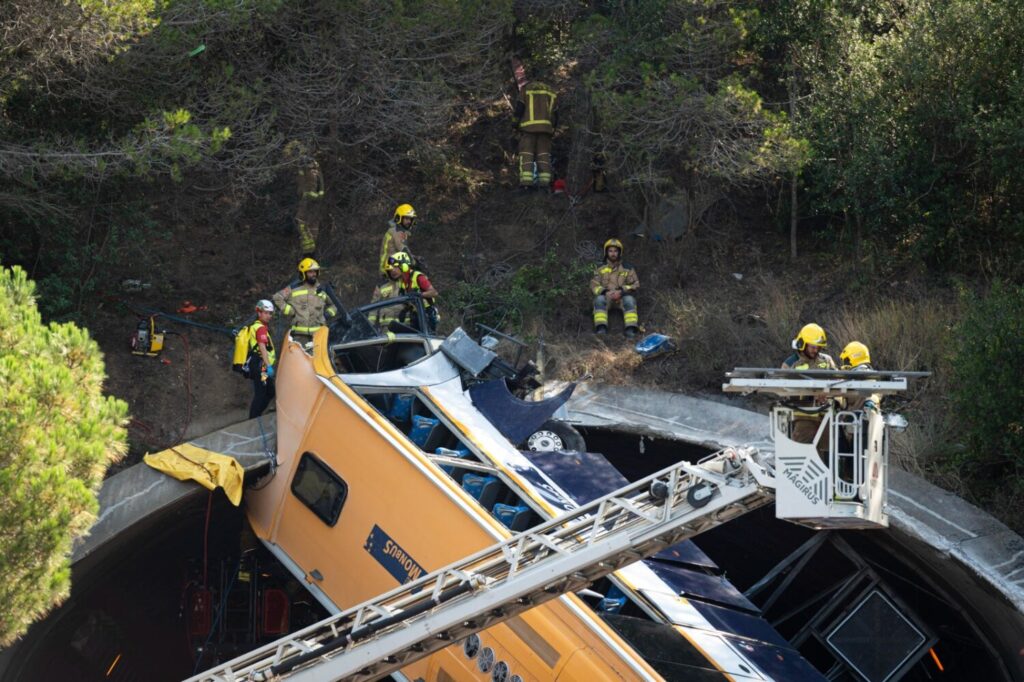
{"points": [[243, 345]]}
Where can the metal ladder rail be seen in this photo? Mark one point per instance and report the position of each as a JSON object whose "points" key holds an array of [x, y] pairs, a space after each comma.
{"points": [[561, 555]]}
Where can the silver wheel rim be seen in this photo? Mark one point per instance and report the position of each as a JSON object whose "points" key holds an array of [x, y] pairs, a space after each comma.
{"points": [[545, 441]]}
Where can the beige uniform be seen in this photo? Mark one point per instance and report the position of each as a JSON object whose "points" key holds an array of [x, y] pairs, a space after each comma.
{"points": [[805, 424], [608, 278], [306, 306], [535, 118], [395, 239], [383, 317], [309, 184]]}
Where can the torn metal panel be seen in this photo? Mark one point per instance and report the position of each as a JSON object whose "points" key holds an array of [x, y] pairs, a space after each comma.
{"points": [[515, 418]]}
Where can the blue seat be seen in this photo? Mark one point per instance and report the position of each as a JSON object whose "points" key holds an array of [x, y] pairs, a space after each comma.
{"points": [[483, 488], [515, 517], [401, 407], [613, 601], [422, 427], [461, 453]]}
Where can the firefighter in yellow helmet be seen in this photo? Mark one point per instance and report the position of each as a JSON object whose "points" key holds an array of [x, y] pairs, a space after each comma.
{"points": [[309, 185], [615, 284], [397, 237], [857, 357], [807, 355], [412, 281], [535, 120], [307, 305]]}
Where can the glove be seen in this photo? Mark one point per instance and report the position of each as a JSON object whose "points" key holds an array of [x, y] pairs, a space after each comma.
{"points": [[270, 372], [869, 406]]}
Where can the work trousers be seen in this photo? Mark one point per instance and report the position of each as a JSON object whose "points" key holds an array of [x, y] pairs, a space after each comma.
{"points": [[534, 148], [307, 220], [262, 394], [630, 317]]}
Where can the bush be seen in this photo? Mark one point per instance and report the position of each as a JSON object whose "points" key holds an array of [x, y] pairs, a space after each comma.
{"points": [[987, 394]]}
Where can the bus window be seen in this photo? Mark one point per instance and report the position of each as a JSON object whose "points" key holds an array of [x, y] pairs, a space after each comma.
{"points": [[319, 488]]}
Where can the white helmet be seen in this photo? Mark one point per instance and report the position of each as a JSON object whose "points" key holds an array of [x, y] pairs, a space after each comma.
{"points": [[265, 305]]}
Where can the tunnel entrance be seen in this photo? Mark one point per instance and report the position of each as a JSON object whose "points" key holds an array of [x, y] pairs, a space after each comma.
{"points": [[198, 590], [807, 590]]}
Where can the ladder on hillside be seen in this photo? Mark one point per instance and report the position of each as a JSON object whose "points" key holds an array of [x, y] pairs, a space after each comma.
{"points": [[563, 555]]}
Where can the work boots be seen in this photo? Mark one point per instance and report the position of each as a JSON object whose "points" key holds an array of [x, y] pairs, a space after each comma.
{"points": [[601, 329]]}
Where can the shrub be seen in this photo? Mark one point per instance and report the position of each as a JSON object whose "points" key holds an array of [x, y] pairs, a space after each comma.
{"points": [[987, 394]]}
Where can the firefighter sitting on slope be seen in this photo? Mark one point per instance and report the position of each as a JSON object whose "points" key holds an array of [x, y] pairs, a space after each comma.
{"points": [[615, 284]]}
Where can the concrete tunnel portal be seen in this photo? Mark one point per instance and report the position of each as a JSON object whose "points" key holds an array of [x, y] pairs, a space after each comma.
{"points": [[159, 543]]}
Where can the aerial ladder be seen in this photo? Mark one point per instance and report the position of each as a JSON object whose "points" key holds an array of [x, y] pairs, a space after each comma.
{"points": [[572, 551]]}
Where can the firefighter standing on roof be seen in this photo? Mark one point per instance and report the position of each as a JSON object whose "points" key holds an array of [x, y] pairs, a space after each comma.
{"points": [[535, 120], [306, 305], [412, 281], [807, 355], [309, 185], [397, 237], [260, 362], [615, 284]]}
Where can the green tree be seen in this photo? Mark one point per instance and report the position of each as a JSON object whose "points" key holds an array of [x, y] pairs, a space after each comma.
{"points": [[58, 435], [987, 392]]}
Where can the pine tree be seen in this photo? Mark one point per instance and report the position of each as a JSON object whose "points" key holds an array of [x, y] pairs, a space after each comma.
{"points": [[58, 435]]}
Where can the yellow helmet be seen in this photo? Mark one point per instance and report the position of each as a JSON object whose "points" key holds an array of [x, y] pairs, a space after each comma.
{"points": [[612, 242], [810, 335], [307, 264], [404, 211], [854, 355], [400, 259]]}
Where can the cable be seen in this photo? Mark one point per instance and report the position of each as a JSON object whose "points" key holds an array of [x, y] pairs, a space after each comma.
{"points": [[206, 537], [216, 618], [188, 387]]}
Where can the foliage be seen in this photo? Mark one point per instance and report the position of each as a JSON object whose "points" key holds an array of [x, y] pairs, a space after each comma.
{"points": [[532, 291], [914, 113], [987, 393], [58, 434], [674, 103]]}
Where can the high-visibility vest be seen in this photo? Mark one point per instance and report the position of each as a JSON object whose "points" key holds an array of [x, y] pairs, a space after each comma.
{"points": [[414, 285], [253, 344]]}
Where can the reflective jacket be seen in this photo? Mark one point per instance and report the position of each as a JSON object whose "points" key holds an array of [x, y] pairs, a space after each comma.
{"points": [[310, 182], [609, 277], [535, 111], [800, 361], [308, 305], [395, 239], [383, 317]]}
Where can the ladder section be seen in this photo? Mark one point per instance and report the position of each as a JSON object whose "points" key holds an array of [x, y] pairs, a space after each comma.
{"points": [[562, 555]]}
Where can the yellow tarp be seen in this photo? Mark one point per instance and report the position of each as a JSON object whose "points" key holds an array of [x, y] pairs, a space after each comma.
{"points": [[187, 462]]}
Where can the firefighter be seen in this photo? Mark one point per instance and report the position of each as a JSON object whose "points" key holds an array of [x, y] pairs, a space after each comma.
{"points": [[397, 237], [309, 185], [857, 357], [390, 288], [307, 305], [261, 359], [535, 120], [807, 355], [412, 281], [615, 284]]}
